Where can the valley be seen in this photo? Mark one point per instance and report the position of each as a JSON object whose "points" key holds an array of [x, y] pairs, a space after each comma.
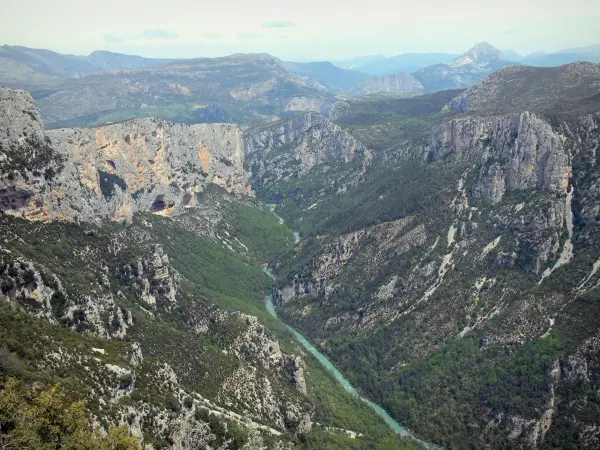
{"points": [[247, 253], [434, 287]]}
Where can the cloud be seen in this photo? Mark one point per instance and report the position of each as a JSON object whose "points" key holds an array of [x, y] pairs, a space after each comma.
{"points": [[159, 34], [112, 38], [250, 36], [278, 24]]}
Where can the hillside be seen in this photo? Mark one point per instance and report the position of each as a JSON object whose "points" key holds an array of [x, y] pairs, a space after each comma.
{"points": [[552, 90], [397, 83], [325, 74], [239, 88], [454, 279], [463, 71], [132, 276], [38, 69]]}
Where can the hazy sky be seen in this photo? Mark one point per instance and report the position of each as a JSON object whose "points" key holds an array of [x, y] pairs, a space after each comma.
{"points": [[300, 30]]}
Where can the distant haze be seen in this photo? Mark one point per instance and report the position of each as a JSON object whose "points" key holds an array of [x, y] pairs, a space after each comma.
{"points": [[308, 30]]}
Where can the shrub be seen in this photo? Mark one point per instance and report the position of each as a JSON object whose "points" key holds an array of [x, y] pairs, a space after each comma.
{"points": [[172, 403]]}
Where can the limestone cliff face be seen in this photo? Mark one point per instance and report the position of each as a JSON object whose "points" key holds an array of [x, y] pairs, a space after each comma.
{"points": [[20, 118], [516, 151], [398, 82], [113, 171], [294, 146]]}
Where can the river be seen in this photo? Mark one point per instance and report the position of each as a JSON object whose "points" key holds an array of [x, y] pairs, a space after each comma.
{"points": [[399, 429]]}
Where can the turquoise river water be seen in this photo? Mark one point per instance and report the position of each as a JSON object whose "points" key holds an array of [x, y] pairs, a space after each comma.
{"points": [[399, 429]]}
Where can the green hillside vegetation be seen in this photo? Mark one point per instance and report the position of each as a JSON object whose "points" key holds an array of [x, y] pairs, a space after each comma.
{"points": [[32, 419], [383, 123], [214, 274]]}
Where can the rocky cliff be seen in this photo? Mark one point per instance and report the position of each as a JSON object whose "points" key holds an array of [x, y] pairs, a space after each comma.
{"points": [[115, 284], [465, 70], [110, 172], [291, 148], [517, 151], [458, 256], [397, 83]]}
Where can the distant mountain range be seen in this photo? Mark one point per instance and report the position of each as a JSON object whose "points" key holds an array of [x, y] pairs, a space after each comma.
{"points": [[412, 62], [327, 75], [29, 67], [460, 72], [465, 70], [408, 62], [239, 88], [107, 87]]}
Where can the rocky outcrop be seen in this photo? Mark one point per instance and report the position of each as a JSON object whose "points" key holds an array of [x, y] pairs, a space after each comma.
{"points": [[156, 282], [294, 371], [110, 172], [302, 103], [42, 294], [516, 151], [258, 345], [338, 110], [396, 83], [465, 70], [293, 147], [479, 56], [20, 119]]}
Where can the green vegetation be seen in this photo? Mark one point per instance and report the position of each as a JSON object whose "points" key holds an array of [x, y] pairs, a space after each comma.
{"points": [[383, 123], [232, 281], [33, 156], [335, 408], [32, 419], [262, 233], [425, 367], [213, 274]]}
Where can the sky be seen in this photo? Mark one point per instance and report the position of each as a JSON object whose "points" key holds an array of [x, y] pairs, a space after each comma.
{"points": [[300, 31]]}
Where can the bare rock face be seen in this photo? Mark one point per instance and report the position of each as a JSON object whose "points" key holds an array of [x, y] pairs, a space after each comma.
{"points": [[338, 110], [517, 151], [294, 368], [20, 119], [398, 82], [297, 145], [155, 281], [481, 54], [113, 171], [302, 103]]}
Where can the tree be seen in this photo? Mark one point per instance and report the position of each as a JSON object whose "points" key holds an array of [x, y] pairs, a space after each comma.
{"points": [[46, 420]]}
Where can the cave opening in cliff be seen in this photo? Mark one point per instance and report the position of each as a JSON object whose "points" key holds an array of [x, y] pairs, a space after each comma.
{"points": [[159, 204]]}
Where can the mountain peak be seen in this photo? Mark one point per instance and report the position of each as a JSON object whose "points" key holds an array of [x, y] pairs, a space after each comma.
{"points": [[480, 53]]}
